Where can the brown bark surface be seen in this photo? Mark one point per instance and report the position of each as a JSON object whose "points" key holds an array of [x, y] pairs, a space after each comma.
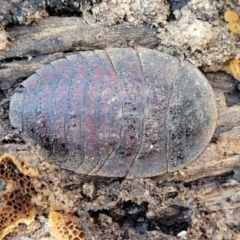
{"points": [[202, 199]]}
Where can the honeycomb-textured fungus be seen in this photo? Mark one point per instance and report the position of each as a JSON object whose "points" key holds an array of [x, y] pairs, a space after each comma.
{"points": [[233, 67], [65, 227], [233, 20], [16, 206]]}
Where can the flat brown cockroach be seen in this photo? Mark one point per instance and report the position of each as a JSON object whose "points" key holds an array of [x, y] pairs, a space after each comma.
{"points": [[118, 112]]}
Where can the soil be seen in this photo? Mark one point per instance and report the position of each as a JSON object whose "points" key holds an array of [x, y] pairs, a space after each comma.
{"points": [[200, 201]]}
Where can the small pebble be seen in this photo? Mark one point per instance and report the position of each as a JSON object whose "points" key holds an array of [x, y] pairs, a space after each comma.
{"points": [[182, 233]]}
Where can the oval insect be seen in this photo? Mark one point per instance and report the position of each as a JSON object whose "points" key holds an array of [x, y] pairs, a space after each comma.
{"points": [[118, 112]]}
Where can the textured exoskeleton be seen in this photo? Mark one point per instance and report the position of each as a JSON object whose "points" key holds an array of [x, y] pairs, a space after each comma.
{"points": [[118, 112]]}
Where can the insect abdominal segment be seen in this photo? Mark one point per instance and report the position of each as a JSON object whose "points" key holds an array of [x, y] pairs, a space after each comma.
{"points": [[118, 112]]}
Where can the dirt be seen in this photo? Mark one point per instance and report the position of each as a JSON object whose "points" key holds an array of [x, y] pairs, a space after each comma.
{"points": [[200, 201]]}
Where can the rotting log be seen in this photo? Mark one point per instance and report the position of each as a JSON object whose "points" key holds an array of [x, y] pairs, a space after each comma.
{"points": [[205, 194], [33, 46]]}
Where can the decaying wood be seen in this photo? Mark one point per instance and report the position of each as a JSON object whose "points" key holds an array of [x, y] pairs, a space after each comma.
{"points": [[58, 35], [209, 187], [72, 34], [14, 70], [221, 80]]}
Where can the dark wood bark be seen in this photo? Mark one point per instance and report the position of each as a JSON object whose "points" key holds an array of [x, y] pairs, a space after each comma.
{"points": [[210, 185], [33, 46]]}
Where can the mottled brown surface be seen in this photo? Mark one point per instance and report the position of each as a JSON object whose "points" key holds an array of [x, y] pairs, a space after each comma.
{"points": [[202, 198], [46, 42], [117, 113]]}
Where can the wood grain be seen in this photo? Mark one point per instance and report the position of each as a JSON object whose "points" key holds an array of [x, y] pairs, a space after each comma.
{"points": [[53, 38]]}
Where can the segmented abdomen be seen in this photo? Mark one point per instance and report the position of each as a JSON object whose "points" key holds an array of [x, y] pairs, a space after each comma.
{"points": [[118, 112]]}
